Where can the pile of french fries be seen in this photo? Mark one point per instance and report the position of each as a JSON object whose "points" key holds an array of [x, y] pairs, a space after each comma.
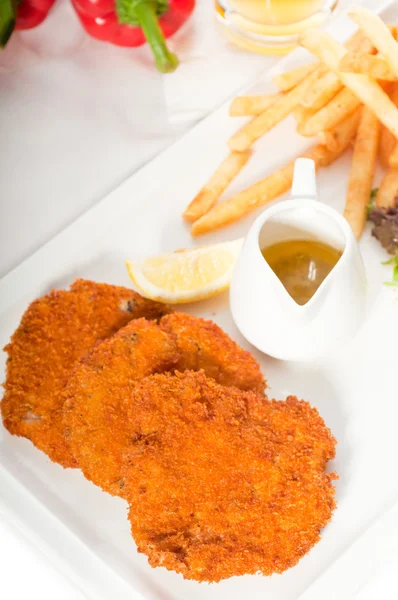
{"points": [[349, 96]]}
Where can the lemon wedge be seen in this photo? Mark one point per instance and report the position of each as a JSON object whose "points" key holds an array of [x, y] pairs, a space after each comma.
{"points": [[186, 275]]}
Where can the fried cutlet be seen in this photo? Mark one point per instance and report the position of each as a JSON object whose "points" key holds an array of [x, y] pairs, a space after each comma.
{"points": [[135, 352], [98, 392], [223, 482], [204, 345], [54, 333]]}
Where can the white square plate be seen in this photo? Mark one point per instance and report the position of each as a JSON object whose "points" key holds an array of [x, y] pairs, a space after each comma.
{"points": [[85, 531]]}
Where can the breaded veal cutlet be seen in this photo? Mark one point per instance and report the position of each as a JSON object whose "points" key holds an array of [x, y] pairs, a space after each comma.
{"points": [[55, 332], [100, 387], [223, 482], [98, 392]]}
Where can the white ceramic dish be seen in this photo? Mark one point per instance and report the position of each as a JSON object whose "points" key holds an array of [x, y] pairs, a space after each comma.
{"points": [[263, 310], [83, 530]]}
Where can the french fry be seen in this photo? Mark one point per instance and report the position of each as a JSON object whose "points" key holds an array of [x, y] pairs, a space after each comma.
{"points": [[386, 146], [328, 139], [362, 171], [260, 125], [217, 183], [329, 85], [287, 81], [343, 133], [378, 33], [387, 140], [302, 114], [233, 209], [393, 160], [322, 91], [374, 66], [388, 189], [274, 184], [359, 42], [330, 115], [329, 51], [244, 106]]}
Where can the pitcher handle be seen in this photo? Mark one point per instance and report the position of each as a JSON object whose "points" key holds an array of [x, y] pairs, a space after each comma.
{"points": [[304, 180]]}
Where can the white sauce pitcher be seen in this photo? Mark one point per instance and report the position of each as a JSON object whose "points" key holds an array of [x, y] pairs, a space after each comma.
{"points": [[265, 313]]}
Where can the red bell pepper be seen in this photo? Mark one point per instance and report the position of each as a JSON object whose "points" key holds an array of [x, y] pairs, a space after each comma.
{"points": [[25, 14], [133, 22]]}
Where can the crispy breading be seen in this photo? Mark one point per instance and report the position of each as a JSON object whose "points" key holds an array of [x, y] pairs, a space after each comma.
{"points": [[223, 482], [98, 392], [54, 333], [104, 380], [204, 345]]}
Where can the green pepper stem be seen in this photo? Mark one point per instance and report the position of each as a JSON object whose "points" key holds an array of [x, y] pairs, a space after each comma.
{"points": [[165, 60], [8, 12]]}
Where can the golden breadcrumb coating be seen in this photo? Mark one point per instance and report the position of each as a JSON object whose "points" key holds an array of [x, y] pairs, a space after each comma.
{"points": [[223, 482], [204, 345], [56, 331], [97, 394], [104, 381]]}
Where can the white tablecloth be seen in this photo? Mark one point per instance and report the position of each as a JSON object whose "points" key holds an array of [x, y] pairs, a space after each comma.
{"points": [[78, 116]]}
